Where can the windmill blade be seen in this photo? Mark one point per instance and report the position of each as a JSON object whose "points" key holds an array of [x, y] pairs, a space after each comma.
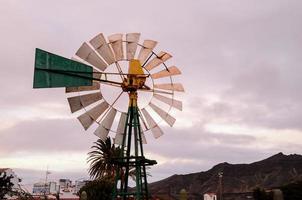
{"points": [[131, 45], [144, 140], [163, 114], [116, 41], [171, 71], [95, 86], [77, 59], [78, 102], [143, 123], [120, 129], [159, 59], [171, 102], [100, 45], [103, 130], [87, 53], [168, 86], [92, 115], [146, 50], [156, 131]]}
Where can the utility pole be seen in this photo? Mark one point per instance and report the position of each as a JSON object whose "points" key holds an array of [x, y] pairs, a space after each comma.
{"points": [[46, 179], [220, 176]]}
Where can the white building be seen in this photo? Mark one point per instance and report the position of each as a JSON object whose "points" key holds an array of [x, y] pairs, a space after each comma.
{"points": [[209, 196], [45, 188], [14, 180], [65, 183]]}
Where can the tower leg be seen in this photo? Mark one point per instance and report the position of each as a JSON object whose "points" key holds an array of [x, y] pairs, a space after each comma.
{"points": [[131, 160]]}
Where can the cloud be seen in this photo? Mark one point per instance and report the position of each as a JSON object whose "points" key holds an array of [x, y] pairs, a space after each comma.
{"points": [[45, 136], [241, 72]]}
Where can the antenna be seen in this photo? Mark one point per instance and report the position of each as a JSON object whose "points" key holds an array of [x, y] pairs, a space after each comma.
{"points": [[220, 176], [46, 179]]}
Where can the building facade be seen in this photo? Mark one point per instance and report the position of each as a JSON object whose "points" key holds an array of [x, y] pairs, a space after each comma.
{"points": [[45, 188], [209, 196], [65, 183]]}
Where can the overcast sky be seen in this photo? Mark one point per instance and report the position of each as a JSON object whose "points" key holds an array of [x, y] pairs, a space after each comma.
{"points": [[241, 69]]}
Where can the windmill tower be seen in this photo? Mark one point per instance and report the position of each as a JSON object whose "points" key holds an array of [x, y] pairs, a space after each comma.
{"points": [[144, 93]]}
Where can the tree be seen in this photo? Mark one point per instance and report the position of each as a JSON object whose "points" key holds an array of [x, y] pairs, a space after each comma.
{"points": [[5, 184], [100, 189], [260, 194], [101, 159], [292, 191]]}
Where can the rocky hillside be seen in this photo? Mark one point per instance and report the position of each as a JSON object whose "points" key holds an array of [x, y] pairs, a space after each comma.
{"points": [[272, 172]]}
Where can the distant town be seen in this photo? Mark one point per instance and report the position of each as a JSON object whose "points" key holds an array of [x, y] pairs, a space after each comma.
{"points": [[61, 189], [277, 177], [64, 189]]}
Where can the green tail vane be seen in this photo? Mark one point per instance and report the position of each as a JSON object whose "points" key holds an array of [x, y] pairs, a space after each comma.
{"points": [[56, 71]]}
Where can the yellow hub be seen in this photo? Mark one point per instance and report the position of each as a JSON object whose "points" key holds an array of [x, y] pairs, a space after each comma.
{"points": [[135, 78]]}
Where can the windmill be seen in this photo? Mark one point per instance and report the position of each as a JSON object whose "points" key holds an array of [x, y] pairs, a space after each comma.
{"points": [[138, 76]]}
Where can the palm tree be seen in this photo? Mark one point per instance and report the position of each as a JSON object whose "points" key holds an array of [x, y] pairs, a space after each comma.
{"points": [[101, 158]]}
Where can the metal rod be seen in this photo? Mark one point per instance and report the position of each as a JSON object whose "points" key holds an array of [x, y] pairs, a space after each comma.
{"points": [[128, 149], [123, 147], [84, 72], [142, 153], [148, 59], [137, 167], [80, 76], [155, 91], [120, 70], [111, 106]]}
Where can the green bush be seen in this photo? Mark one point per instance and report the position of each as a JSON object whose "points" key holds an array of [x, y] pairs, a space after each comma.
{"points": [[5, 184], [98, 189]]}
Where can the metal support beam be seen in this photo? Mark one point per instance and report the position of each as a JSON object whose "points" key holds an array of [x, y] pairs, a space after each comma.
{"points": [[132, 160]]}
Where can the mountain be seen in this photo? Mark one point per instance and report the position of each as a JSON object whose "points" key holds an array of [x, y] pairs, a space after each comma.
{"points": [[272, 172]]}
